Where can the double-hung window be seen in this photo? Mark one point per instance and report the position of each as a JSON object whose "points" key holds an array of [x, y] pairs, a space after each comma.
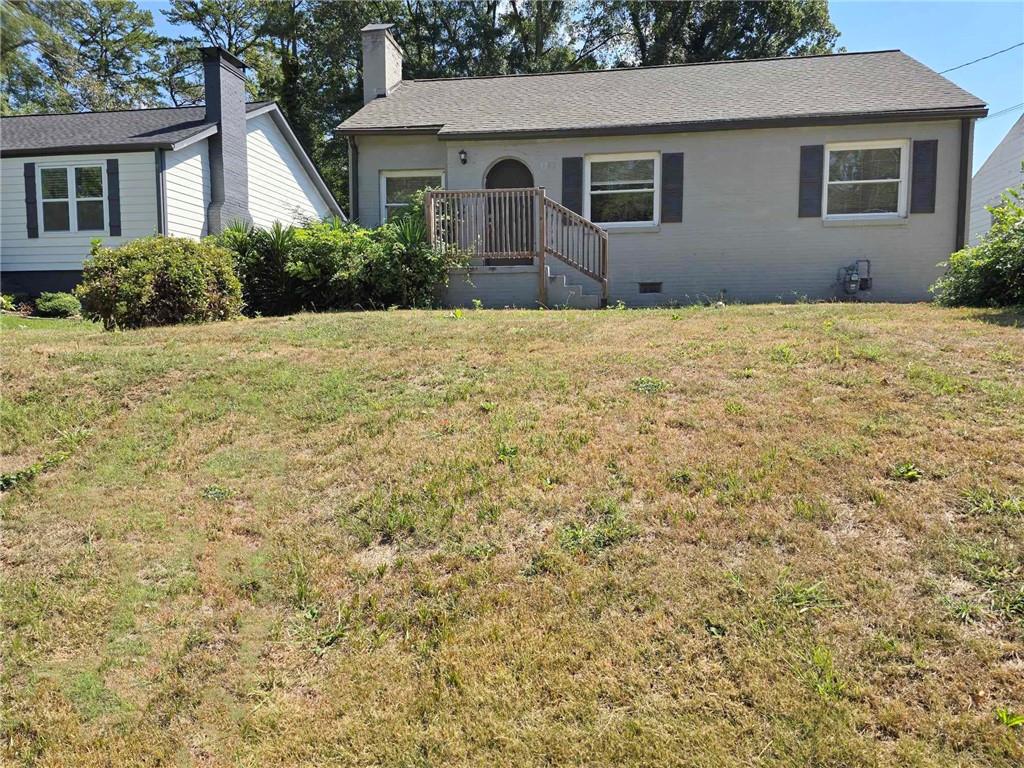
{"points": [[71, 198], [866, 180], [398, 187], [622, 190]]}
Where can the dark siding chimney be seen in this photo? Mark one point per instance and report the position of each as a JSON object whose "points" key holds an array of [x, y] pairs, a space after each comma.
{"points": [[229, 173]]}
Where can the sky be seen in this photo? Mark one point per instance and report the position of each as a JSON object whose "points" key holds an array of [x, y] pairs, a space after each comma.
{"points": [[939, 34], [943, 35]]}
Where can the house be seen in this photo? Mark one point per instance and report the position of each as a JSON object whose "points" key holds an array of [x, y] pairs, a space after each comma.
{"points": [[189, 171], [744, 180], [1003, 169]]}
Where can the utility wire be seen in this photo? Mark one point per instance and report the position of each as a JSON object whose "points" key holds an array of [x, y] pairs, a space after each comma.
{"points": [[961, 66], [1003, 111]]}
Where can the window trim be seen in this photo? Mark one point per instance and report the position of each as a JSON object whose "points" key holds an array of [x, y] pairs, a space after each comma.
{"points": [[385, 175], [902, 193], [72, 199], [605, 158]]}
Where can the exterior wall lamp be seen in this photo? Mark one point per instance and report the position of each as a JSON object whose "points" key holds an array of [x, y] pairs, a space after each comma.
{"points": [[462, 156]]}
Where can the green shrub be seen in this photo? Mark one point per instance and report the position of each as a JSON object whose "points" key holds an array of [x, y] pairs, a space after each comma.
{"points": [[159, 281], [326, 264], [333, 265], [990, 274], [58, 305], [261, 259]]}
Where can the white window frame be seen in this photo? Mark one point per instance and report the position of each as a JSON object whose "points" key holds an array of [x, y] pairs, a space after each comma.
{"points": [[655, 156], [71, 199], [901, 196], [385, 175]]}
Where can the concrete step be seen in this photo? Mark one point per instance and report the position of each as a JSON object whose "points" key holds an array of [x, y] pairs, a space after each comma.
{"points": [[562, 293]]}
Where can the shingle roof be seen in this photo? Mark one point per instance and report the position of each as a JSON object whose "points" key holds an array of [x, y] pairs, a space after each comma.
{"points": [[676, 97], [85, 131]]}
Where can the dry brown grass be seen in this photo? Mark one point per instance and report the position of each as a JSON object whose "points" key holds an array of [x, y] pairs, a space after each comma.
{"points": [[779, 535]]}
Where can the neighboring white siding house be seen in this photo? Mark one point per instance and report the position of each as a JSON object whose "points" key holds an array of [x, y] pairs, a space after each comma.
{"points": [[187, 187], [70, 179], [65, 250], [279, 187], [1001, 171]]}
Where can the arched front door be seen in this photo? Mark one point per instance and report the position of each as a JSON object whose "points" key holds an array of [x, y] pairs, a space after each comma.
{"points": [[510, 174]]}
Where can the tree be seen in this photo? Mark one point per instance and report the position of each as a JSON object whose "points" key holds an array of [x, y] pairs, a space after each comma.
{"points": [[107, 62], [237, 26], [708, 30], [27, 85]]}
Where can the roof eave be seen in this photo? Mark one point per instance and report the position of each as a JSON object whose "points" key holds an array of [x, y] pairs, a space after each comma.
{"points": [[723, 125], [385, 130], [86, 149]]}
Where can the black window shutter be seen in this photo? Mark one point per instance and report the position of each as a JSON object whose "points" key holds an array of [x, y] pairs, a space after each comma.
{"points": [[672, 187], [922, 176], [572, 183], [812, 161], [31, 211], [114, 197]]}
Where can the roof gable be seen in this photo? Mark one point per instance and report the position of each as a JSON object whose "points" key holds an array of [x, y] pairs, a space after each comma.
{"points": [[676, 97]]}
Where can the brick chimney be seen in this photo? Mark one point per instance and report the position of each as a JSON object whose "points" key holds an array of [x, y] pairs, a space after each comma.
{"points": [[382, 61], [224, 81]]}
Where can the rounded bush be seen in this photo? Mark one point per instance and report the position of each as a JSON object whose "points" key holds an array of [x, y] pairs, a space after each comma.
{"points": [[159, 281], [991, 273], [58, 305]]}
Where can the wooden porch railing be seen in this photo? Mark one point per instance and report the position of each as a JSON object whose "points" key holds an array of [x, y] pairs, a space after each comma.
{"points": [[510, 225]]}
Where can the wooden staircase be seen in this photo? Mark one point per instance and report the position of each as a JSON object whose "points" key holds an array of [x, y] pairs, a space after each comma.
{"points": [[516, 226]]}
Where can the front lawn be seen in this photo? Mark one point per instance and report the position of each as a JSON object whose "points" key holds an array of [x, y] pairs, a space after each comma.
{"points": [[750, 536]]}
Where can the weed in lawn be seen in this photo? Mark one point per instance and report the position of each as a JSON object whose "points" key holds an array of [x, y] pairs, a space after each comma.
{"points": [[813, 510], [9, 480], [986, 501], [609, 529], [681, 478], [905, 471], [506, 453], [484, 550], [784, 354], [1009, 718], [546, 562], [803, 596], [822, 674], [217, 493], [649, 385]]}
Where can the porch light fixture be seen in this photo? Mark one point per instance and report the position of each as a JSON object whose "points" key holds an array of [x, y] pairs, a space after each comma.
{"points": [[462, 156]]}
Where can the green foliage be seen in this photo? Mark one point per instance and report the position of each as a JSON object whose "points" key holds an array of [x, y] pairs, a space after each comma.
{"points": [[1009, 718], [261, 258], [907, 471], [9, 480], [649, 385], [58, 305], [159, 281], [609, 529], [990, 274], [331, 265]]}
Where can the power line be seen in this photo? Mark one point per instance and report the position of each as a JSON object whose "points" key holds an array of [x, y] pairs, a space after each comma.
{"points": [[961, 66], [1003, 111]]}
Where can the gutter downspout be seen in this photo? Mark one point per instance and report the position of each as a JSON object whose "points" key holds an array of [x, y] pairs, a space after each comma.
{"points": [[161, 192], [964, 182], [353, 179]]}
